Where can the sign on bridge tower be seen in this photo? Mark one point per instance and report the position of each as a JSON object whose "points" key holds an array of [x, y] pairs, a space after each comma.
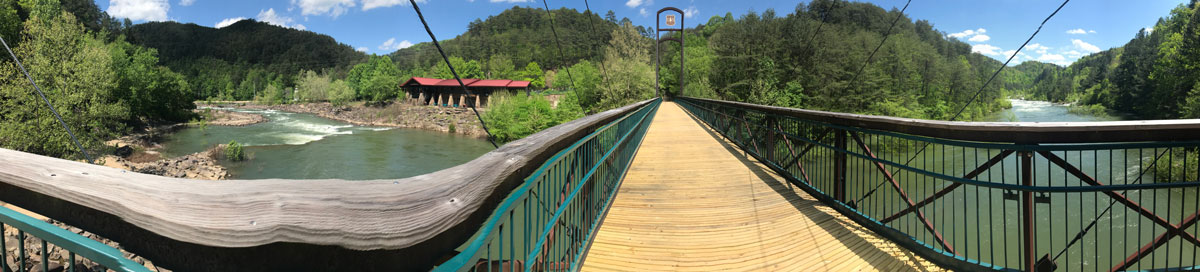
{"points": [[674, 22]]}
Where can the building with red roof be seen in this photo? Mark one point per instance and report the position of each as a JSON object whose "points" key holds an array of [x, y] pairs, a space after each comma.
{"points": [[448, 92]]}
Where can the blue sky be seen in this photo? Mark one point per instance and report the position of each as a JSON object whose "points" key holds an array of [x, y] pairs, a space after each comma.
{"points": [[992, 27]]}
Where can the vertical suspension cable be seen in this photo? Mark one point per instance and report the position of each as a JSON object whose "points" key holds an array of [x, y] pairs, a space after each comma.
{"points": [[593, 27], [491, 138], [982, 87], [824, 17], [44, 99], [561, 56], [885, 38]]}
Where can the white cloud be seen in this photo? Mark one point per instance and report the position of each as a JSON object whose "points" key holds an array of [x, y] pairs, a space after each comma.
{"points": [[139, 10], [643, 12], [1149, 29], [690, 11], [633, 3], [1077, 31], [186, 2], [972, 35], [392, 45], [228, 22], [1092, 31], [1086, 47], [1073, 53], [1018, 58], [333, 8], [361, 49], [985, 49], [1054, 58], [371, 4], [269, 16], [1037, 47], [965, 33]]}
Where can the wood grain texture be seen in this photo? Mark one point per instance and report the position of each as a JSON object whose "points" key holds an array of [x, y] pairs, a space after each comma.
{"points": [[1005, 132], [429, 214], [692, 202]]}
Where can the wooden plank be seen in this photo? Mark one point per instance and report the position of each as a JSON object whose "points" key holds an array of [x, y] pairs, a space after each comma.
{"points": [[692, 202], [278, 224]]}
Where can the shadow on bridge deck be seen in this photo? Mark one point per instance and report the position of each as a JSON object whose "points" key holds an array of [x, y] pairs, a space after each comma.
{"points": [[693, 201]]}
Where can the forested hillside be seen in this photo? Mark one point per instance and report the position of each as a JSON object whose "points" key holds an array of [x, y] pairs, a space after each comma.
{"points": [[238, 61], [1154, 76], [524, 35], [810, 57], [100, 84]]}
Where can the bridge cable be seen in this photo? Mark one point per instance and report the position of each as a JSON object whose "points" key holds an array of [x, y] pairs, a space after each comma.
{"points": [[561, 56], [885, 38], [44, 99], [593, 27], [491, 138], [824, 17], [1085, 230], [981, 88]]}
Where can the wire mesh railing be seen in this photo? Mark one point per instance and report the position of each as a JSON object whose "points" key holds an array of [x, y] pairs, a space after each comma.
{"points": [[39, 253], [548, 221], [1059, 201]]}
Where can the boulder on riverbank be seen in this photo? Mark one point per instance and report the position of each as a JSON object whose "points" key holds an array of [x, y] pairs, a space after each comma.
{"points": [[200, 165], [402, 115], [230, 118]]}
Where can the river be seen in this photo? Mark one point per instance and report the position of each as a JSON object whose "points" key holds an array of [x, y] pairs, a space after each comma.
{"points": [[304, 146], [983, 225]]}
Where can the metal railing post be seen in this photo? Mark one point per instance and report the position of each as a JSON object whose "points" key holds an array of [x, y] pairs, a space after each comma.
{"points": [[1029, 247], [839, 166], [769, 144]]}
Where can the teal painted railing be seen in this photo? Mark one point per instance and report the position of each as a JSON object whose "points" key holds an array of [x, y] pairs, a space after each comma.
{"points": [[50, 234], [1099, 196], [550, 219]]}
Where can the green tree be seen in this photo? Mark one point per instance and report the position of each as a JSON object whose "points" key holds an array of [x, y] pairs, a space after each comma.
{"points": [[586, 84], [535, 75], [465, 69], [630, 76], [376, 80], [340, 92], [517, 116], [10, 22], [271, 95], [500, 66], [74, 69], [311, 86], [153, 93], [1191, 104]]}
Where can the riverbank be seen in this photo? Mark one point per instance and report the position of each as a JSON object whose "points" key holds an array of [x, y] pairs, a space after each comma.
{"points": [[400, 115]]}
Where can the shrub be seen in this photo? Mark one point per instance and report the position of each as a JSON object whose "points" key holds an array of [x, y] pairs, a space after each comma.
{"points": [[340, 93], [234, 152], [514, 117]]}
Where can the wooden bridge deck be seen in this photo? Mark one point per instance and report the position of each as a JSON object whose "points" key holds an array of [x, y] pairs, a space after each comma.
{"points": [[692, 201]]}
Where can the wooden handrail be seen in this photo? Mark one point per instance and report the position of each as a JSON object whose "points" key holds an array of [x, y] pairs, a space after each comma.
{"points": [[1004, 132], [278, 224]]}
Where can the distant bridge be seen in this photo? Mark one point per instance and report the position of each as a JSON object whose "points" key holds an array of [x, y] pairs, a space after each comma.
{"points": [[693, 184]]}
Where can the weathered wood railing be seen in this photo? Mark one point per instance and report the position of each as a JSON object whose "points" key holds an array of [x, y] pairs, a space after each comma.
{"points": [[981, 195], [294, 225]]}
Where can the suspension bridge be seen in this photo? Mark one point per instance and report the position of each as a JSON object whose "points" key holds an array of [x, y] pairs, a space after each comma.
{"points": [[688, 184], [670, 183]]}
